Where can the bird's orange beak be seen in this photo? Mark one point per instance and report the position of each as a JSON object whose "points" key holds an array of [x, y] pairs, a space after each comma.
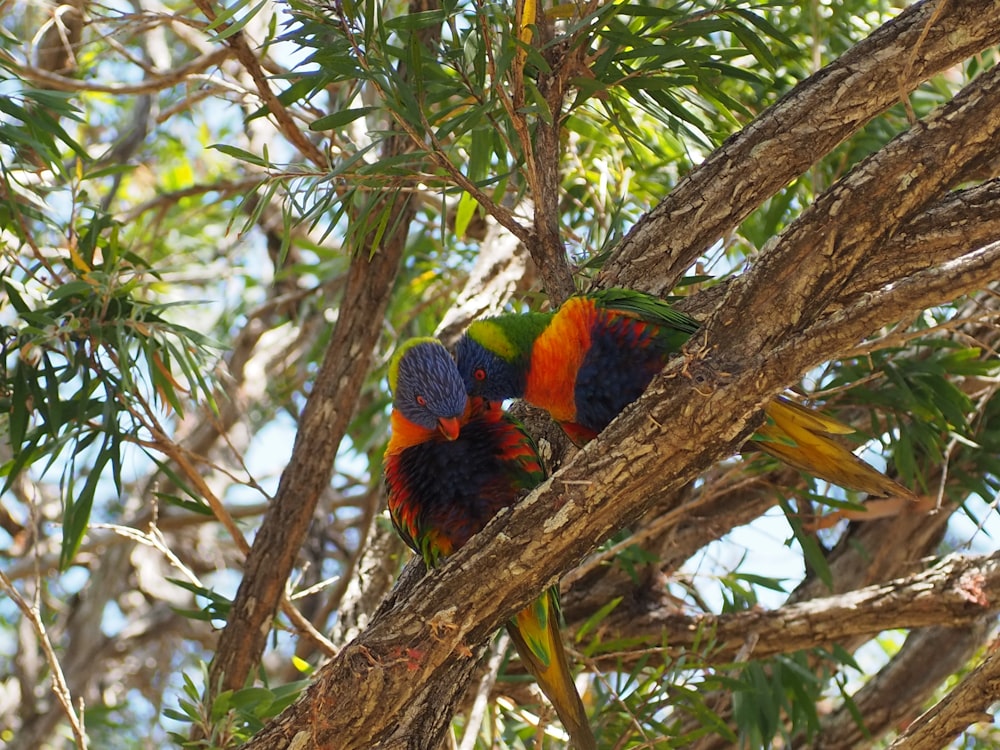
{"points": [[449, 427]]}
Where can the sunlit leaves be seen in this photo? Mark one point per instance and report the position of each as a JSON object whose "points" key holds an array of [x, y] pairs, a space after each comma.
{"points": [[234, 715], [919, 391], [650, 69], [93, 363]]}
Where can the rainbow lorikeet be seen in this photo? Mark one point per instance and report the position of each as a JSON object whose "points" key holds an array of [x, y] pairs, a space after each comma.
{"points": [[596, 354], [451, 465]]}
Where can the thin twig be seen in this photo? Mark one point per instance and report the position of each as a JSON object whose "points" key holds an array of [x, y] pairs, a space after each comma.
{"points": [[59, 686], [481, 703]]}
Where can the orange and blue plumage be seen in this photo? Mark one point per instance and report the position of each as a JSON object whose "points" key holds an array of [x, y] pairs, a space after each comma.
{"points": [[452, 463], [585, 362]]}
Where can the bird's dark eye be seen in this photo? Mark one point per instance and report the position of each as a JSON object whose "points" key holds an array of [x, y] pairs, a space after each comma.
{"points": [[479, 374], [421, 401]]}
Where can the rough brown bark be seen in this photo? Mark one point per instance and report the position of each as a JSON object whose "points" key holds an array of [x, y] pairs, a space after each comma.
{"points": [[324, 421], [959, 591], [817, 254], [969, 703], [943, 231], [548, 249], [947, 229], [899, 690]]}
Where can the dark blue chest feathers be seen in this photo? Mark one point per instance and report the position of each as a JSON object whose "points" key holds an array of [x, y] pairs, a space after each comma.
{"points": [[458, 486], [624, 356]]}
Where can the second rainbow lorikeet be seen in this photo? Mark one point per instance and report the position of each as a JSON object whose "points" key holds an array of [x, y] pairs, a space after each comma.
{"points": [[452, 464], [596, 354]]}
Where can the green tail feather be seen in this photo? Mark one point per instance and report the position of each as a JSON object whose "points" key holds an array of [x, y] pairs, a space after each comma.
{"points": [[535, 632]]}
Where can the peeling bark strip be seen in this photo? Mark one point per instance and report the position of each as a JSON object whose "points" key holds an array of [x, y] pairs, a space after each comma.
{"points": [[792, 135]]}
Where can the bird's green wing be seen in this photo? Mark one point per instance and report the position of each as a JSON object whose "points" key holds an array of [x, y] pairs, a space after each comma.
{"points": [[646, 307]]}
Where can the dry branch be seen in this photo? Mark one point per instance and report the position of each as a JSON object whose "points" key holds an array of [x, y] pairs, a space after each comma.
{"points": [[324, 421], [967, 704], [248, 59], [150, 85], [59, 686], [902, 687]]}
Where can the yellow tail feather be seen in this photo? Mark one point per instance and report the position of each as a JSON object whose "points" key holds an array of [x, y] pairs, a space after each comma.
{"points": [[535, 632], [800, 437]]}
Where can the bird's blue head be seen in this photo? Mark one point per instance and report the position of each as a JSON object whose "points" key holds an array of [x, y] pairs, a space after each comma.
{"points": [[490, 364], [426, 386]]}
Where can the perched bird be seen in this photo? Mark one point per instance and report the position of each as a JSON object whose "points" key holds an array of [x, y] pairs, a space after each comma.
{"points": [[596, 354], [451, 465]]}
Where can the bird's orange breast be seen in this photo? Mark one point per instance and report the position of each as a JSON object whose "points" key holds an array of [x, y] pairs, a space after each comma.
{"points": [[556, 357]]}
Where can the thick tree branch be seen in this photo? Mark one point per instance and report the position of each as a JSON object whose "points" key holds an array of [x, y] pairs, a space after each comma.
{"points": [[790, 136], [957, 592], [902, 687], [944, 230], [324, 421], [817, 254], [923, 289], [967, 704]]}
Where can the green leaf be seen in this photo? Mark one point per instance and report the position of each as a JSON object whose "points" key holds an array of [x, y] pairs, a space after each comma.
{"points": [[416, 21], [75, 288], [241, 154], [14, 295], [463, 214], [20, 398], [237, 25], [76, 516], [339, 119], [597, 618], [813, 553]]}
